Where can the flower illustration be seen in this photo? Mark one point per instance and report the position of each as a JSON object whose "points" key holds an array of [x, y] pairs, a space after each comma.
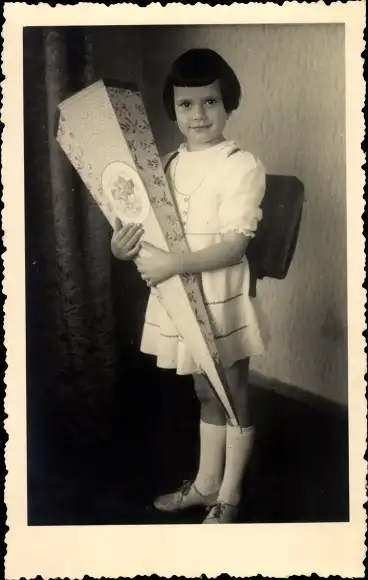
{"points": [[123, 191], [158, 180], [152, 163]]}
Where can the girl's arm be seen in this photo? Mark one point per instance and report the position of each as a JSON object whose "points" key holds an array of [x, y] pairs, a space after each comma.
{"points": [[162, 265], [225, 253]]}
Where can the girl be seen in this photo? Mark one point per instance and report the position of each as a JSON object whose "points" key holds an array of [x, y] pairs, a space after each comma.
{"points": [[218, 190]]}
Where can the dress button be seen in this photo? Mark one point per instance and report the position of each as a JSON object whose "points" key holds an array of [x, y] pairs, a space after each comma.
{"points": [[186, 199]]}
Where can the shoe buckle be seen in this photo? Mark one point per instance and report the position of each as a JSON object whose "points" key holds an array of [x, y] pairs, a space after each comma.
{"points": [[185, 489], [215, 510]]}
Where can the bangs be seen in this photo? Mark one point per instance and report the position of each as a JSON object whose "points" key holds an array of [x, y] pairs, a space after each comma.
{"points": [[195, 81]]}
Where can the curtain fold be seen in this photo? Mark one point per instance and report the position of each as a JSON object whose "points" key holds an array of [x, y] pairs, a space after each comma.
{"points": [[73, 348]]}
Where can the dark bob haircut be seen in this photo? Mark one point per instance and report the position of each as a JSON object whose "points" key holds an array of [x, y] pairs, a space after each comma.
{"points": [[200, 67]]}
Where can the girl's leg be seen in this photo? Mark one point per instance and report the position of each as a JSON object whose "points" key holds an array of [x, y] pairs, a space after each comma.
{"points": [[212, 431], [204, 490], [238, 447], [211, 410], [239, 442], [237, 378]]}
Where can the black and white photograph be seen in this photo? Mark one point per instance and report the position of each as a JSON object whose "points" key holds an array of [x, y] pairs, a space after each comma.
{"points": [[185, 267]]}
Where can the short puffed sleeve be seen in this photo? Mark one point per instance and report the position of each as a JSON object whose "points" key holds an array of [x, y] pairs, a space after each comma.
{"points": [[244, 185]]}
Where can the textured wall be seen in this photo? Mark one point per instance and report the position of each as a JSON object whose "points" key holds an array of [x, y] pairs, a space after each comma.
{"points": [[293, 118]]}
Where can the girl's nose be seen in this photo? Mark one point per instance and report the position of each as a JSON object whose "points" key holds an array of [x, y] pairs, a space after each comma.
{"points": [[198, 112]]}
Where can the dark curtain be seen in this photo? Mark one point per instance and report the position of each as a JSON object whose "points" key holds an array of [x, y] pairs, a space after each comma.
{"points": [[67, 238], [95, 404]]}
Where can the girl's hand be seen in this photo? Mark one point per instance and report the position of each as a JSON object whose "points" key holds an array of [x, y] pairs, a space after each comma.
{"points": [[125, 242], [158, 267]]}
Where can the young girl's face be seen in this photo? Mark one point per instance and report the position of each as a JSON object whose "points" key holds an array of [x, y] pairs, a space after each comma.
{"points": [[200, 114]]}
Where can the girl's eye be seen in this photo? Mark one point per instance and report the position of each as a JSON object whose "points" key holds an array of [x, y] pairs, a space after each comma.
{"points": [[211, 101], [184, 104]]}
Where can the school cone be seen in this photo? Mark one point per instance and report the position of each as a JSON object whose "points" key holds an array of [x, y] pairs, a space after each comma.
{"points": [[105, 133]]}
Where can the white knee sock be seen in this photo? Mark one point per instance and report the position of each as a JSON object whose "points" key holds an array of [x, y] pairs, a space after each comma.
{"points": [[238, 447], [212, 457]]}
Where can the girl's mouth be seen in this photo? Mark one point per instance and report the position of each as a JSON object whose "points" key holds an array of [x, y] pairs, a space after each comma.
{"points": [[200, 127]]}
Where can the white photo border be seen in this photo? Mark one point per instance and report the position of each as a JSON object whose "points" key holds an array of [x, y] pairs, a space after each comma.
{"points": [[275, 550]]}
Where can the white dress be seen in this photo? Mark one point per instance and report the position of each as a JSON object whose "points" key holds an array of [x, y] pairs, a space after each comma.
{"points": [[217, 190]]}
